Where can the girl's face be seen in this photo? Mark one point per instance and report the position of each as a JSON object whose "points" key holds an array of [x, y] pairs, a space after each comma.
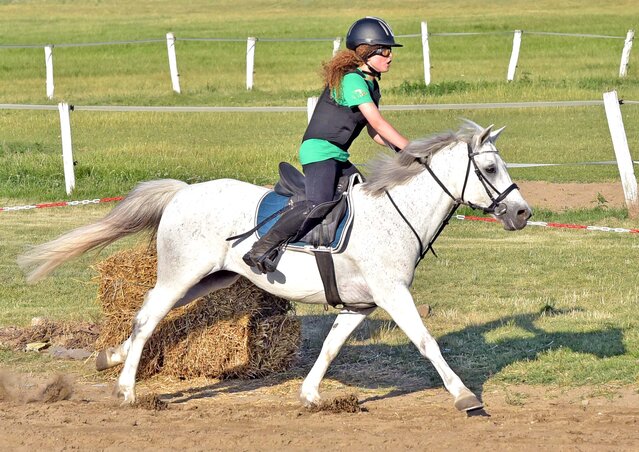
{"points": [[381, 59]]}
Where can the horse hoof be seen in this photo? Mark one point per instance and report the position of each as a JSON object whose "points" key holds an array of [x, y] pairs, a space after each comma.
{"points": [[127, 396], [310, 400], [306, 403], [468, 402], [102, 361]]}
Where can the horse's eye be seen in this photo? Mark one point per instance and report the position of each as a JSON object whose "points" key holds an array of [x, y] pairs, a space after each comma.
{"points": [[492, 169]]}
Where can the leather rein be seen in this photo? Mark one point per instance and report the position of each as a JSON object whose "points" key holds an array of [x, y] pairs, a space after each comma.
{"points": [[496, 207]]}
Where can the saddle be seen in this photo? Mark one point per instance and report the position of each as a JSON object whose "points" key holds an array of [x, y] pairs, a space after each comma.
{"points": [[336, 215], [326, 238]]}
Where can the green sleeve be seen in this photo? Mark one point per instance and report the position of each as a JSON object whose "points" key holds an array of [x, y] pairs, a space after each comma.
{"points": [[354, 91]]}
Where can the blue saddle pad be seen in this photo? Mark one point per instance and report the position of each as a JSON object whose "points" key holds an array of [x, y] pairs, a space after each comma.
{"points": [[272, 202]]}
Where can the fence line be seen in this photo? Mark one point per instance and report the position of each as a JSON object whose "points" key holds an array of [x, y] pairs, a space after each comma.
{"points": [[81, 44], [171, 40], [145, 41], [498, 33], [610, 102], [574, 35], [292, 109], [412, 35]]}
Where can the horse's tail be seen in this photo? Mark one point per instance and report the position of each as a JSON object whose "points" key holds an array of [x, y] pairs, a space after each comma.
{"points": [[140, 211]]}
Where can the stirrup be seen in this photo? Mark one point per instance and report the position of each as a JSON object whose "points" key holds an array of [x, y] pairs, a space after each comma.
{"points": [[268, 262]]}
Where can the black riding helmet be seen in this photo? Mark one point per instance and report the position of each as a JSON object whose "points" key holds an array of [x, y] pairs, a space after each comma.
{"points": [[372, 31]]}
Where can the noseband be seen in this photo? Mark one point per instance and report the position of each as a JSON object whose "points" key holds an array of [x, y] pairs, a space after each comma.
{"points": [[496, 207]]}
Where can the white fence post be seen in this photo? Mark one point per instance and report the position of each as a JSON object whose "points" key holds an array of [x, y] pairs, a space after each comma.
{"points": [[426, 52], [622, 152], [175, 76], [67, 151], [48, 59], [250, 61], [311, 103], [337, 42], [625, 54], [514, 56]]}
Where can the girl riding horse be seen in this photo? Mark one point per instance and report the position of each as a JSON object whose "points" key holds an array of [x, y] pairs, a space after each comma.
{"points": [[349, 102]]}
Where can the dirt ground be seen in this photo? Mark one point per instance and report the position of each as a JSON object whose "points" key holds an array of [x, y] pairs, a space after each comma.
{"points": [[559, 197], [72, 413], [241, 415]]}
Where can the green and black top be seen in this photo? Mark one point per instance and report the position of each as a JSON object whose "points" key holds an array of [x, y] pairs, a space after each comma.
{"points": [[336, 122]]}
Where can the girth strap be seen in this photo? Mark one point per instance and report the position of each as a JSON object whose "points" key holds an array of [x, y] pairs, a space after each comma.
{"points": [[327, 272]]}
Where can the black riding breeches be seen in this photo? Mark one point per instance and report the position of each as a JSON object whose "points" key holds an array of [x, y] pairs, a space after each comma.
{"points": [[322, 178]]}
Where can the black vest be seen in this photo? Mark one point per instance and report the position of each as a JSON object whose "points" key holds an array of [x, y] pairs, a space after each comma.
{"points": [[338, 124]]}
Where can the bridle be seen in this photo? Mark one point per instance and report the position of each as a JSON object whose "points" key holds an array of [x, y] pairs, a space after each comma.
{"points": [[496, 207]]}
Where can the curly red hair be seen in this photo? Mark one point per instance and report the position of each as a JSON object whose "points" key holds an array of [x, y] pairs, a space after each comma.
{"points": [[345, 61]]}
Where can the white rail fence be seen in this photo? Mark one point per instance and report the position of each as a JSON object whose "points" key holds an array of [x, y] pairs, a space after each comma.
{"points": [[610, 102], [251, 46], [622, 152]]}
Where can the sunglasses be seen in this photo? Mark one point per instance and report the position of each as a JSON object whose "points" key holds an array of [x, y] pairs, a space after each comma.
{"points": [[383, 51]]}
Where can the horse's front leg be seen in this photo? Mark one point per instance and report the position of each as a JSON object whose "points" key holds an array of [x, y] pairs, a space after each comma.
{"points": [[401, 307], [345, 323]]}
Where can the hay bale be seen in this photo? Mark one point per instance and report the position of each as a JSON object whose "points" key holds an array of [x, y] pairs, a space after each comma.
{"points": [[241, 331]]}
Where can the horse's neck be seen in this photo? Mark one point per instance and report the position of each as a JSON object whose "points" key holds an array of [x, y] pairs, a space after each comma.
{"points": [[424, 204], [421, 201]]}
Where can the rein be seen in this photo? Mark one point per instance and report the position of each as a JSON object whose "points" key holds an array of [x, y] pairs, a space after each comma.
{"points": [[496, 206], [443, 224]]}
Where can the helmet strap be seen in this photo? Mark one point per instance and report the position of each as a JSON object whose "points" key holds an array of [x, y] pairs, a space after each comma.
{"points": [[373, 72]]}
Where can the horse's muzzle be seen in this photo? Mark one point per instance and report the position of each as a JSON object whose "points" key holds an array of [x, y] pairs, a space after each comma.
{"points": [[514, 219]]}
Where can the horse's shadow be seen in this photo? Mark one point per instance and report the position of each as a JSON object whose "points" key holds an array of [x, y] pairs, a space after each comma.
{"points": [[368, 363]]}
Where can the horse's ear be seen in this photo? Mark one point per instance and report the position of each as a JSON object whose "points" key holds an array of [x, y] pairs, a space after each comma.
{"points": [[495, 134], [481, 138], [485, 135]]}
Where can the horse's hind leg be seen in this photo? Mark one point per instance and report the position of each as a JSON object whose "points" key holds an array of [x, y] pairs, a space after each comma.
{"points": [[345, 323], [215, 281], [158, 302], [170, 288], [113, 356]]}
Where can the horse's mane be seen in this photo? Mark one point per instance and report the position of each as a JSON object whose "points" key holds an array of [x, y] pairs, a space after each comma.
{"points": [[387, 171]]}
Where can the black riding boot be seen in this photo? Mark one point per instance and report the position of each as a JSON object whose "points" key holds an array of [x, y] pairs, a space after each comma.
{"points": [[264, 253]]}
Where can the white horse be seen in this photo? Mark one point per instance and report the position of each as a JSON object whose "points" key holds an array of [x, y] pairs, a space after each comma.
{"points": [[399, 210]]}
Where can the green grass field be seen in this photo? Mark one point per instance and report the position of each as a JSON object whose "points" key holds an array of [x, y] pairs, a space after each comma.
{"points": [[539, 306], [201, 146]]}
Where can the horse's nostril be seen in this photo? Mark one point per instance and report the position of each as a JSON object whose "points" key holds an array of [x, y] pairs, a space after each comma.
{"points": [[524, 213]]}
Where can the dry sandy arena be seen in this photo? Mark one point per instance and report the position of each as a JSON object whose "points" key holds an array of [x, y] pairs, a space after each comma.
{"points": [[265, 415], [70, 413], [572, 196]]}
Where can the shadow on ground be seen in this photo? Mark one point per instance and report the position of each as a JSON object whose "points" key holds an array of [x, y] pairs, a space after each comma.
{"points": [[400, 369]]}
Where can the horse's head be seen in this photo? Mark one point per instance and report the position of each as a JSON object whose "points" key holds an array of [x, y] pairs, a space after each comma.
{"points": [[487, 185], [467, 167]]}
